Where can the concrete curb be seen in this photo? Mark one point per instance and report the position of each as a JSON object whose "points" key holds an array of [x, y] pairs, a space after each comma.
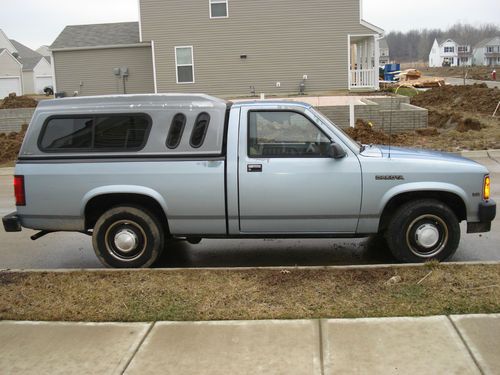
{"points": [[236, 269]]}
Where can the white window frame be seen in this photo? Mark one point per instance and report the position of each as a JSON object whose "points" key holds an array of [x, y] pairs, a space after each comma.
{"points": [[178, 65], [210, 2]]}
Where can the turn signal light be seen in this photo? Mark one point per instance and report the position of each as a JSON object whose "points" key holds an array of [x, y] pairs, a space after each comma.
{"points": [[486, 189], [19, 191]]}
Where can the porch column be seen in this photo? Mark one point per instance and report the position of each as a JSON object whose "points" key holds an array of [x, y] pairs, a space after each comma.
{"points": [[376, 81]]}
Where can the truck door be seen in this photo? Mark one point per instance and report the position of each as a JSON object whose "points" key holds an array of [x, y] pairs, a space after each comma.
{"points": [[287, 182]]}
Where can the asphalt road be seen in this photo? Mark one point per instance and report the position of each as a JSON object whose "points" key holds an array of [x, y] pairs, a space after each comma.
{"points": [[68, 250]]}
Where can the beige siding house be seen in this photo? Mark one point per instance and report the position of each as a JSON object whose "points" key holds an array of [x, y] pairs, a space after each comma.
{"points": [[223, 47], [269, 47], [102, 59]]}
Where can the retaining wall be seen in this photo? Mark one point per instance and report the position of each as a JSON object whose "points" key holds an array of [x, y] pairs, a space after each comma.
{"points": [[11, 120], [389, 114]]}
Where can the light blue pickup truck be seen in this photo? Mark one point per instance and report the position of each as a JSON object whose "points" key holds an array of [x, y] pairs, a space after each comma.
{"points": [[135, 171]]}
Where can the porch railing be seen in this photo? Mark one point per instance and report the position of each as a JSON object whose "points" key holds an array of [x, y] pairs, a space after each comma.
{"points": [[363, 78]]}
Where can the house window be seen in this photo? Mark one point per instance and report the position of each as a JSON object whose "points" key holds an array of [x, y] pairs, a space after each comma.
{"points": [[184, 64], [463, 49], [219, 8], [449, 49]]}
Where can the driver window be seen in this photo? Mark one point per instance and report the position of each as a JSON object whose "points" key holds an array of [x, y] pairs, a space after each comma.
{"points": [[282, 134]]}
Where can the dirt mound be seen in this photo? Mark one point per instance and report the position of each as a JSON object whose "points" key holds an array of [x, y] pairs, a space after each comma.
{"points": [[10, 145], [364, 133], [428, 132], [471, 98], [13, 101], [469, 124]]}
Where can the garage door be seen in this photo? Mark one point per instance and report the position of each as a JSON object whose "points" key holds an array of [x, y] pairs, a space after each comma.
{"points": [[41, 82], [8, 85]]}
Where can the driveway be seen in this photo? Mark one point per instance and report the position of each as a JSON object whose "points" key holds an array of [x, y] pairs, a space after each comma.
{"points": [[69, 250]]}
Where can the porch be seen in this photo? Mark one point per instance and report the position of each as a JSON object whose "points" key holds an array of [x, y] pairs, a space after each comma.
{"points": [[364, 54]]}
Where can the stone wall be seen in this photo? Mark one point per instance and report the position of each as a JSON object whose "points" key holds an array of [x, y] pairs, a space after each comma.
{"points": [[11, 120]]}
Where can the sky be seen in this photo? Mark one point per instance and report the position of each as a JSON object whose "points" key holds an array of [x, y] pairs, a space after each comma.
{"points": [[35, 23]]}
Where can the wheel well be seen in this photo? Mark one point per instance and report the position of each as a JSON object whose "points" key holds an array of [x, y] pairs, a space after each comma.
{"points": [[453, 201], [102, 203]]}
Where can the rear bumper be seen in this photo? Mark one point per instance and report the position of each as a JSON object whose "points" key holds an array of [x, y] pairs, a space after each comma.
{"points": [[487, 213], [11, 223]]}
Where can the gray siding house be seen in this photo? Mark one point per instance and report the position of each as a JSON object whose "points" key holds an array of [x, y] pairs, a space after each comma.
{"points": [[225, 47]]}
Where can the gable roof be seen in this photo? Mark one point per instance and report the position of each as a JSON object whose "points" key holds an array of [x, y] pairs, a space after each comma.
{"points": [[107, 34], [485, 42], [7, 44], [26, 56]]}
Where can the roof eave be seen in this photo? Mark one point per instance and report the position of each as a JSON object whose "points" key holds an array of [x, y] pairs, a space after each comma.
{"points": [[132, 45], [371, 26]]}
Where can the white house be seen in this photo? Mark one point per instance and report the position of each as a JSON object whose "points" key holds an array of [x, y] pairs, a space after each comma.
{"points": [[487, 52], [450, 53], [22, 70]]}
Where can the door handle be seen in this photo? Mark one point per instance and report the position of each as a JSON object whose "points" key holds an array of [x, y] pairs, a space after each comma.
{"points": [[252, 168]]}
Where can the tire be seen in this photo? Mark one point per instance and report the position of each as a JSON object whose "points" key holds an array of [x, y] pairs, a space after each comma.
{"points": [[128, 237], [423, 230]]}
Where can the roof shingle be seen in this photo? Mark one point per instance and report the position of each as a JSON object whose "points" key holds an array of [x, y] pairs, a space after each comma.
{"points": [[107, 34]]}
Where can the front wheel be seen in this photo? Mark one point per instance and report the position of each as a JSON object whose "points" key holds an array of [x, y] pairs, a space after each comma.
{"points": [[128, 237], [423, 230]]}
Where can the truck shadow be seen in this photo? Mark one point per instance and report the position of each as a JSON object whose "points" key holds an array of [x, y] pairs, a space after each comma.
{"points": [[274, 253]]}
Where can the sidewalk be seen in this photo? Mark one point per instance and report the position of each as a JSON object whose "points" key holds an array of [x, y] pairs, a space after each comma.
{"points": [[442, 345]]}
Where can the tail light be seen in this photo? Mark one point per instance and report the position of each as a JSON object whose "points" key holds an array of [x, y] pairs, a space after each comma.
{"points": [[486, 188], [19, 191]]}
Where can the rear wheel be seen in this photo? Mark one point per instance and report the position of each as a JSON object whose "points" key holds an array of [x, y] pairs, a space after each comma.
{"points": [[128, 237], [423, 230]]}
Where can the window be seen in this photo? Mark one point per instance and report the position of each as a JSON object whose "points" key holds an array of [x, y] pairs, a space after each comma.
{"points": [[449, 49], [282, 134], [219, 8], [463, 49], [98, 133], [176, 130], [200, 130], [184, 64]]}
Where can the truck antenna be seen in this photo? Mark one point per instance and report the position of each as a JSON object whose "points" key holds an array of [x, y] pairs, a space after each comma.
{"points": [[390, 126]]}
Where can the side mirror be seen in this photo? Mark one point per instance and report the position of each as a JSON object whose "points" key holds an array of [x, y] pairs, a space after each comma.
{"points": [[336, 151]]}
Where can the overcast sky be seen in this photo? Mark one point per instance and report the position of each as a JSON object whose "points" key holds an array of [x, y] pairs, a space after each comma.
{"points": [[35, 22]]}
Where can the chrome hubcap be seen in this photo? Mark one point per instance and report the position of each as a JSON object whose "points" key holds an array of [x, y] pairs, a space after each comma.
{"points": [[427, 236], [126, 241]]}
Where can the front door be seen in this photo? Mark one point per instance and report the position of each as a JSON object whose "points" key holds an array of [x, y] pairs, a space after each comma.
{"points": [[288, 183]]}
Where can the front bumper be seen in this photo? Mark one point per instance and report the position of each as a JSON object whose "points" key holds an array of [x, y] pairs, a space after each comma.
{"points": [[487, 213], [11, 223]]}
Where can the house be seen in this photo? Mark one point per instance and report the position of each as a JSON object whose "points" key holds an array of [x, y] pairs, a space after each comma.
{"points": [[222, 48], [22, 70], [384, 52], [102, 59], [487, 52], [450, 53]]}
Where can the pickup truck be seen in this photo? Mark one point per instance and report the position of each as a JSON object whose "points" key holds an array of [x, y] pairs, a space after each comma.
{"points": [[135, 171]]}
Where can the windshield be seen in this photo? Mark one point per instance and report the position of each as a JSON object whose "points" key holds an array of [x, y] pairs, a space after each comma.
{"points": [[345, 137]]}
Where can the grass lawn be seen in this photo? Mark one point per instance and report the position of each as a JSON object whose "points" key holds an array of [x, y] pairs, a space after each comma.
{"points": [[179, 295]]}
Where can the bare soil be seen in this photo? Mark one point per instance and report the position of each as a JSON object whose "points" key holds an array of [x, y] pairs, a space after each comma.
{"points": [[482, 73], [12, 102], [195, 295], [460, 118], [10, 145]]}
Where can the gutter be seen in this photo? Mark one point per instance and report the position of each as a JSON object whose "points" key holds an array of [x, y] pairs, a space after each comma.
{"points": [[133, 45]]}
